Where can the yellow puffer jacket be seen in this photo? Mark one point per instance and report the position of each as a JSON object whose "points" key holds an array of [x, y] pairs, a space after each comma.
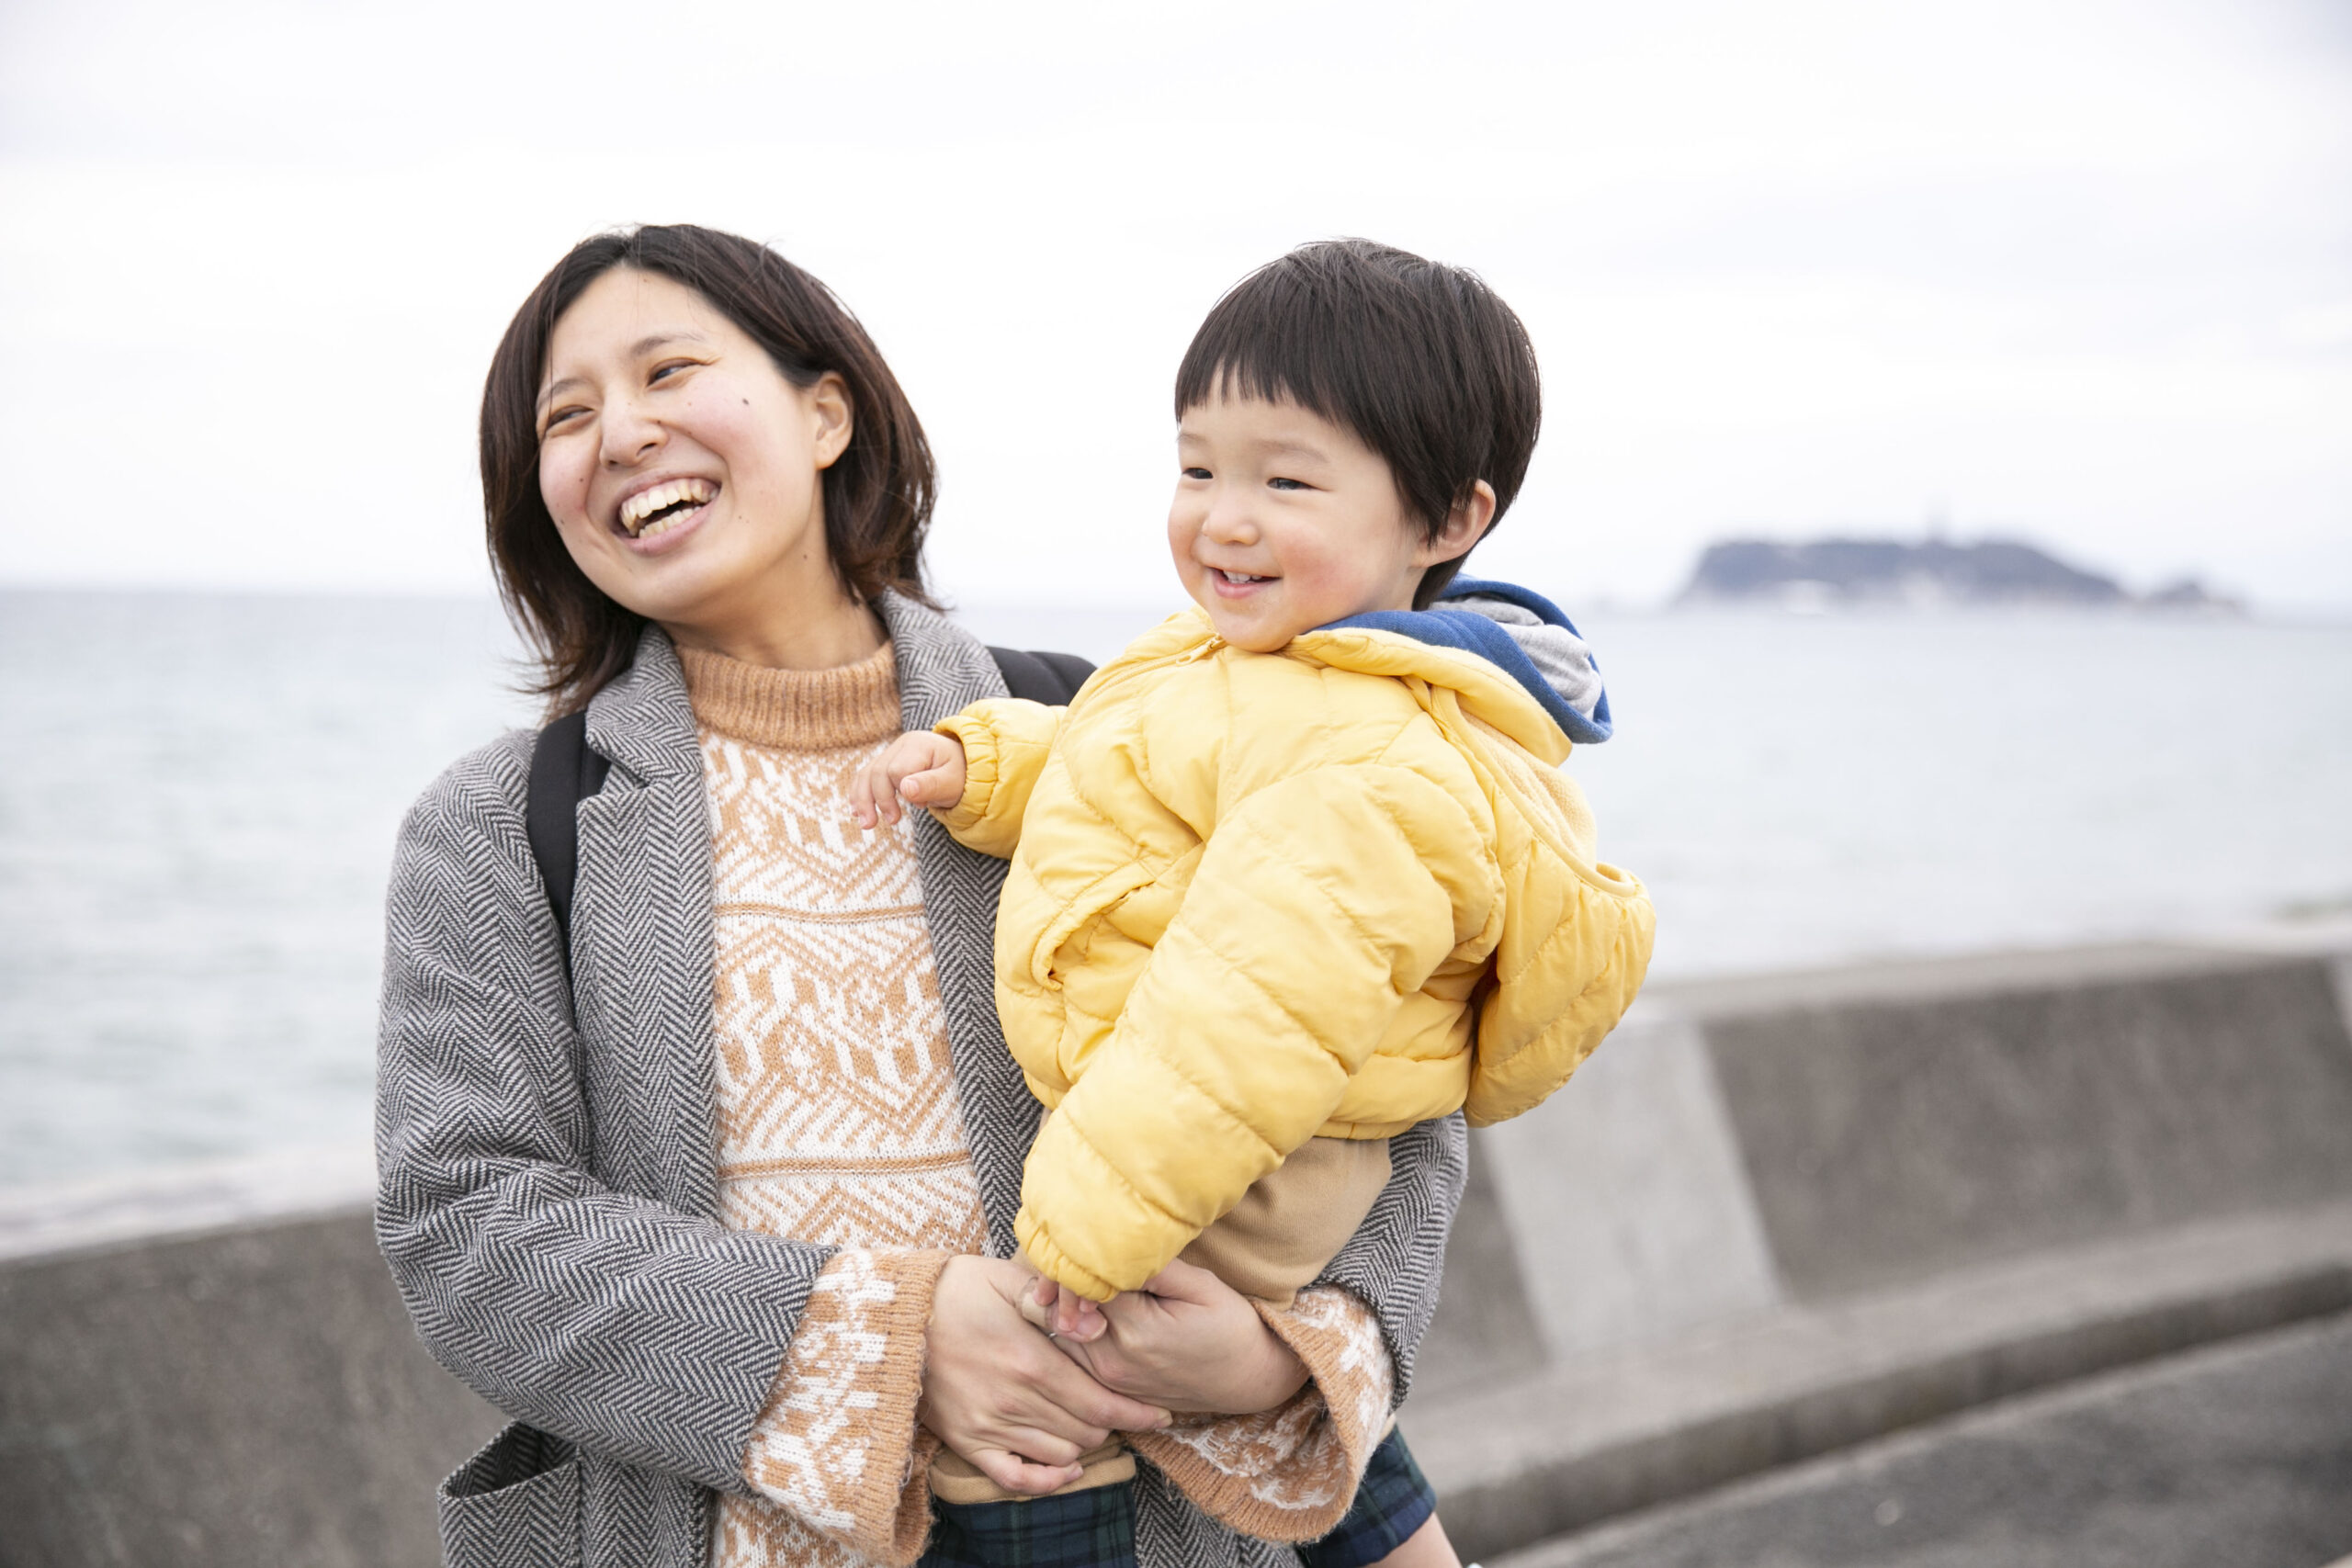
{"points": [[1256, 898]]}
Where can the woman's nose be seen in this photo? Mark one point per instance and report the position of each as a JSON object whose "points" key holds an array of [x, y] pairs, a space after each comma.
{"points": [[629, 434]]}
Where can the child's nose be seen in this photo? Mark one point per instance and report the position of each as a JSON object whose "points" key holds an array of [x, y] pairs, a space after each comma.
{"points": [[1230, 522]]}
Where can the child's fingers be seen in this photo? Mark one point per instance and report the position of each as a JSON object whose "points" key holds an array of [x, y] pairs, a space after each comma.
{"points": [[1061, 1313], [885, 787], [931, 786], [870, 796], [878, 784], [1076, 1318], [1079, 1320]]}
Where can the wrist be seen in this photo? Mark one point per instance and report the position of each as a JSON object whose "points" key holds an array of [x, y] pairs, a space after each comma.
{"points": [[1281, 1374], [945, 1298]]}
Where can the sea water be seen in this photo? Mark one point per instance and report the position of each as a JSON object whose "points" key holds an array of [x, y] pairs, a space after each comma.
{"points": [[199, 796]]}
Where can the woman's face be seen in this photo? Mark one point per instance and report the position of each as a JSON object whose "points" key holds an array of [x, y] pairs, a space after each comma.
{"points": [[681, 468]]}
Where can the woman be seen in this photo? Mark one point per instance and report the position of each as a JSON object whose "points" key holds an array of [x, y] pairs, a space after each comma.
{"points": [[715, 1197]]}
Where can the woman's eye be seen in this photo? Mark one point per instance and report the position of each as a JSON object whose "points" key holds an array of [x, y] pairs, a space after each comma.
{"points": [[662, 372], [561, 418]]}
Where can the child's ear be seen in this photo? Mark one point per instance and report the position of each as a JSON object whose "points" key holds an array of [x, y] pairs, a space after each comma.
{"points": [[1465, 526]]}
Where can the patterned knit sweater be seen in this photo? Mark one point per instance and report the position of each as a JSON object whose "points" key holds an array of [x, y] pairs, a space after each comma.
{"points": [[838, 1122]]}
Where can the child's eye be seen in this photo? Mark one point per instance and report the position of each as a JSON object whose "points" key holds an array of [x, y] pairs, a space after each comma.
{"points": [[1285, 484], [1196, 473]]}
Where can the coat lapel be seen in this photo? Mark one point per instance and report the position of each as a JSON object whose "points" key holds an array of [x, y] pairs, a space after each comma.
{"points": [[643, 941], [943, 669]]}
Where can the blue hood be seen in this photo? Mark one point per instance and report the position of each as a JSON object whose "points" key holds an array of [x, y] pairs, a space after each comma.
{"points": [[1521, 633]]}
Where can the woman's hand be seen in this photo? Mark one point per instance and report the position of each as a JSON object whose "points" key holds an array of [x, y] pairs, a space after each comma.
{"points": [[921, 768], [997, 1392], [1188, 1341]]}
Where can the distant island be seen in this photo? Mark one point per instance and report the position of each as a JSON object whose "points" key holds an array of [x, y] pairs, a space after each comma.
{"points": [[1824, 574]]}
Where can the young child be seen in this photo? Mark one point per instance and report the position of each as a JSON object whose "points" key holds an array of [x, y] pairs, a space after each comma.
{"points": [[1298, 870]]}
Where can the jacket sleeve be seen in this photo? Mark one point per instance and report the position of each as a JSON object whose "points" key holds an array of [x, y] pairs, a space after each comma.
{"points": [[629, 1326], [1321, 901], [1006, 741], [1572, 956]]}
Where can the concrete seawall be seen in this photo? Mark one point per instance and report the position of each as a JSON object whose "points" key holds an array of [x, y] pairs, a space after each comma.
{"points": [[1779, 1216], [1771, 1217], [247, 1396]]}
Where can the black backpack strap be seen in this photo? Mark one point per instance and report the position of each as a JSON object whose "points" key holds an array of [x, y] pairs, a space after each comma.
{"points": [[1052, 679], [564, 773]]}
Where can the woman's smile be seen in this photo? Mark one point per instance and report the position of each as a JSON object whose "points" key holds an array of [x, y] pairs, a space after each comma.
{"points": [[660, 510]]}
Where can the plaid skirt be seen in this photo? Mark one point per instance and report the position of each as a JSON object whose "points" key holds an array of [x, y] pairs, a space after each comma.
{"points": [[1096, 1528]]}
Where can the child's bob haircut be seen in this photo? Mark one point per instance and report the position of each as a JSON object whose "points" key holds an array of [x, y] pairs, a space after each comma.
{"points": [[1423, 362]]}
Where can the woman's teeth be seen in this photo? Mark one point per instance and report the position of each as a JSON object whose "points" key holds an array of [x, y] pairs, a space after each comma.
{"points": [[650, 511]]}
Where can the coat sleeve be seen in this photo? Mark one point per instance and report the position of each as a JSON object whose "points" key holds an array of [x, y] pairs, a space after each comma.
{"points": [[1289, 1473], [1321, 902], [1397, 1259], [1240, 1468], [1006, 742], [629, 1326], [838, 1448]]}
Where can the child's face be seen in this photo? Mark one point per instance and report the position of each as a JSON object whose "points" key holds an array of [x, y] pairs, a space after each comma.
{"points": [[1283, 521]]}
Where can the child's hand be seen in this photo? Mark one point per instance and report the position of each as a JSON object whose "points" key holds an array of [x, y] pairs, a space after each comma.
{"points": [[921, 767], [1063, 1315]]}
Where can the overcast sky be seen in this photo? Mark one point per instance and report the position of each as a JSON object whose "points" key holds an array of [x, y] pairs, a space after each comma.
{"points": [[2067, 269]]}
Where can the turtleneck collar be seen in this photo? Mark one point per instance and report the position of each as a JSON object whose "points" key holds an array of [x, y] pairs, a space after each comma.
{"points": [[798, 710]]}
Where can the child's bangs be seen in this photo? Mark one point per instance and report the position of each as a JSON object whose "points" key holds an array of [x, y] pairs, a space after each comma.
{"points": [[1268, 369]]}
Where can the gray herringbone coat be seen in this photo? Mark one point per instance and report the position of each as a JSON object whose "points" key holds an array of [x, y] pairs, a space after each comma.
{"points": [[548, 1161]]}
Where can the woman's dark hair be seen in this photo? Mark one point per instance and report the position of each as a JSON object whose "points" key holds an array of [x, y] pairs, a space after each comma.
{"points": [[877, 494], [1423, 362]]}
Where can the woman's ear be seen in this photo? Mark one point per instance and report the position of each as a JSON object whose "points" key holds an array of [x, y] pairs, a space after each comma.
{"points": [[1465, 526], [835, 420]]}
